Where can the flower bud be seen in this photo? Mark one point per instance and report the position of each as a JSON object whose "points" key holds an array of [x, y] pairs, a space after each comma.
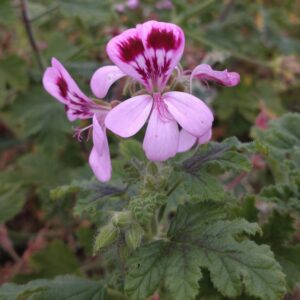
{"points": [[106, 236], [133, 236], [122, 219]]}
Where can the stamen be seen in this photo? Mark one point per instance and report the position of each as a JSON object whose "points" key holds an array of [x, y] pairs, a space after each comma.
{"points": [[161, 107], [78, 132]]}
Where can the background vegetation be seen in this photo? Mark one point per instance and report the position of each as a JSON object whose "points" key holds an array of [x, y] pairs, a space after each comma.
{"points": [[51, 206]]}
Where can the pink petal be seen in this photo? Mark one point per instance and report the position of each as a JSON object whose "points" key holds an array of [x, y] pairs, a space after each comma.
{"points": [[101, 165], [161, 138], [186, 141], [104, 78], [164, 45], [71, 84], [191, 113], [205, 72], [50, 80], [99, 159], [59, 84], [99, 133], [205, 138], [148, 53], [127, 51], [127, 118]]}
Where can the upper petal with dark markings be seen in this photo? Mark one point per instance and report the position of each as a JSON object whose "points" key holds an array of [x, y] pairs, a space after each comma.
{"points": [[148, 53], [59, 84]]}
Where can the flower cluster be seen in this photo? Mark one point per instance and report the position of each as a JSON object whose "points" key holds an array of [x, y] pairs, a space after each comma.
{"points": [[149, 54]]}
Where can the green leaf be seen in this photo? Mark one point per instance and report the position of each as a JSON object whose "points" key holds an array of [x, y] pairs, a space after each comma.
{"points": [[7, 15], [85, 236], [183, 273], [278, 230], [55, 259], [240, 100], [146, 269], [14, 71], [12, 200], [282, 136], [289, 259], [36, 170], [43, 119], [278, 233], [204, 186], [130, 149], [285, 196], [230, 155], [89, 11], [59, 46], [92, 196], [62, 287], [246, 209], [33, 171], [235, 264]]}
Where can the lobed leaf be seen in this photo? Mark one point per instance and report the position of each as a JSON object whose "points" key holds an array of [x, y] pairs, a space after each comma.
{"points": [[230, 155], [62, 287], [146, 269], [200, 237]]}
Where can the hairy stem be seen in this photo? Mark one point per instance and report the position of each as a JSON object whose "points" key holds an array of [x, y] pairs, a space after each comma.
{"points": [[30, 34]]}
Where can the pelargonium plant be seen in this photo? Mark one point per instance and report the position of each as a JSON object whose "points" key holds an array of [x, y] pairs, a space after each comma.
{"points": [[149, 54], [170, 222]]}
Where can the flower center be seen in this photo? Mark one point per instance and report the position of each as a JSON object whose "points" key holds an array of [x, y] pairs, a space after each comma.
{"points": [[161, 107]]}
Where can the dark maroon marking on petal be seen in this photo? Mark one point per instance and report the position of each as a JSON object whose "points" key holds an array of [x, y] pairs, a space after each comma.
{"points": [[162, 39], [82, 100], [131, 48], [63, 86], [66, 108], [166, 66]]}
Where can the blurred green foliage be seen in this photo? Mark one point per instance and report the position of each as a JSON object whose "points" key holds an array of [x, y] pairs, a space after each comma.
{"points": [[47, 186]]}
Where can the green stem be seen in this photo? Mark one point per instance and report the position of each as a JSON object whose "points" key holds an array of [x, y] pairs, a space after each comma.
{"points": [[195, 10], [201, 39], [163, 207]]}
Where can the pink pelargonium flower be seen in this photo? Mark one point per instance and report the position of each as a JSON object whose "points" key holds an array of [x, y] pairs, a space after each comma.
{"points": [[59, 84], [205, 73], [149, 53]]}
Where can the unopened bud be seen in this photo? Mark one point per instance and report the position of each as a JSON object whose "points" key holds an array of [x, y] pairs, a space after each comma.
{"points": [[134, 236], [122, 219], [106, 236]]}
